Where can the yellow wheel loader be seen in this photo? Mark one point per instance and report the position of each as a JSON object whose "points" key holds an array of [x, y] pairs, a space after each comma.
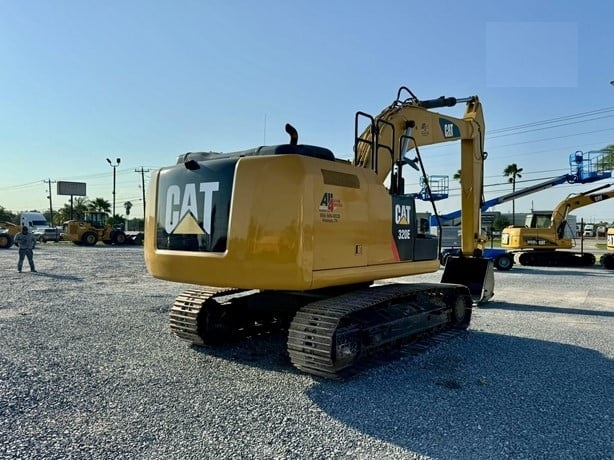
{"points": [[92, 229], [8, 230]]}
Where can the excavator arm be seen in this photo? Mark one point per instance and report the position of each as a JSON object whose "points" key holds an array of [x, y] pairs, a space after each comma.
{"points": [[410, 124], [559, 215]]}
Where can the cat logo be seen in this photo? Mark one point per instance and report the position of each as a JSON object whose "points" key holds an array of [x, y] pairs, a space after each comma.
{"points": [[182, 214], [188, 226], [402, 213], [449, 129]]}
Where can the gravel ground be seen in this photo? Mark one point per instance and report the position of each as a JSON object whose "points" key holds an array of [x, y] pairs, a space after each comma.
{"points": [[89, 369]]}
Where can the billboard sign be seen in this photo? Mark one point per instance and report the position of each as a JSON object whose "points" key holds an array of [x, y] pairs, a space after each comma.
{"points": [[71, 188]]}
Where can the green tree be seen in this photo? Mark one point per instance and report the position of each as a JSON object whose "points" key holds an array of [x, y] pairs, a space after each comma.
{"points": [[79, 206], [607, 162], [500, 223], [7, 216], [458, 175], [117, 221], [512, 171], [100, 204], [128, 206]]}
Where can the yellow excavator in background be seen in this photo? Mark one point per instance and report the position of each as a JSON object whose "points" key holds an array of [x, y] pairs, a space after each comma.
{"points": [[540, 241], [290, 236], [607, 259]]}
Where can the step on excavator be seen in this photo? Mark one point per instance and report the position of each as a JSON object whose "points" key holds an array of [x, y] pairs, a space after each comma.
{"points": [[291, 236], [543, 242]]}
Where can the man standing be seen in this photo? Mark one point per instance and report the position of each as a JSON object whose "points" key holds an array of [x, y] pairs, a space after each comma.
{"points": [[25, 241]]}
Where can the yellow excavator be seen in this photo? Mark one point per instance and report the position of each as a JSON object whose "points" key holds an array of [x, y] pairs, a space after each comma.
{"points": [[289, 235], [540, 241], [607, 259]]}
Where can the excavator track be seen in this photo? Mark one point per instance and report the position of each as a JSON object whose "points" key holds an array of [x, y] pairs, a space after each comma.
{"points": [[184, 316], [607, 260], [556, 259], [335, 337], [213, 316]]}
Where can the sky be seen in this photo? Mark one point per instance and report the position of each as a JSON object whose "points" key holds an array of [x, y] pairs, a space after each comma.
{"points": [[146, 81]]}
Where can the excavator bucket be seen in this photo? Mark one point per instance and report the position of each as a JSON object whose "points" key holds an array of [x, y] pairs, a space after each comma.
{"points": [[477, 273]]}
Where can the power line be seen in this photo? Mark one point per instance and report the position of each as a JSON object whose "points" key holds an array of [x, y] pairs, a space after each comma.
{"points": [[553, 120], [548, 127], [557, 137]]}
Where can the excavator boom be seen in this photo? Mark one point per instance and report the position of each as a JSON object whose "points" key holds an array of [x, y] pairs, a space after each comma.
{"points": [[409, 124], [562, 210]]}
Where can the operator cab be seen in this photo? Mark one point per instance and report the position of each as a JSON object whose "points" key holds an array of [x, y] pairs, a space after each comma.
{"points": [[96, 219], [538, 219]]}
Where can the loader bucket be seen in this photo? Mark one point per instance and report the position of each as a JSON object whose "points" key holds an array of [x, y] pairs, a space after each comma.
{"points": [[476, 273]]}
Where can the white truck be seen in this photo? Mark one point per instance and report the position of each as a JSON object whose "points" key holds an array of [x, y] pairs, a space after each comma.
{"points": [[39, 226], [589, 230]]}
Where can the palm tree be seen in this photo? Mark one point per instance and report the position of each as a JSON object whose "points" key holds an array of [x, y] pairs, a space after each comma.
{"points": [[513, 172], [128, 206], [100, 204], [74, 211], [458, 175]]}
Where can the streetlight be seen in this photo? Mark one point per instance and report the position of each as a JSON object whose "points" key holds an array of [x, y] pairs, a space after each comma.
{"points": [[117, 161]]}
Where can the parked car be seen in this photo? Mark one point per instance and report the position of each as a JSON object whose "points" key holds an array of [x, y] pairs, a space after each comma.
{"points": [[49, 234]]}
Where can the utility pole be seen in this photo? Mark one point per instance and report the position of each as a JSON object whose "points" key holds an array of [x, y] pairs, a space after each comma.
{"points": [[49, 181], [142, 171]]}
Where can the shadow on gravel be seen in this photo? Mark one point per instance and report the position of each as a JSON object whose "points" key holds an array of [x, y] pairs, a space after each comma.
{"points": [[486, 396], [267, 351], [545, 309], [57, 277]]}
